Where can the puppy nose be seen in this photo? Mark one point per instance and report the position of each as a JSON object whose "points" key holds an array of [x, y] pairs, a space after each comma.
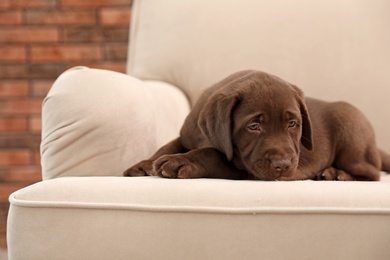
{"points": [[281, 165]]}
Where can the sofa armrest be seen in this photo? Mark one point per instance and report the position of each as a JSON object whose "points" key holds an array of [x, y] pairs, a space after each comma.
{"points": [[98, 122]]}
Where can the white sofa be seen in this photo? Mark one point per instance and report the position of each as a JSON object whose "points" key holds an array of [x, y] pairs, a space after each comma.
{"points": [[96, 123]]}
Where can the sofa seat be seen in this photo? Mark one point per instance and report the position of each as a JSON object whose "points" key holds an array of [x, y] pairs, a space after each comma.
{"points": [[156, 218]]}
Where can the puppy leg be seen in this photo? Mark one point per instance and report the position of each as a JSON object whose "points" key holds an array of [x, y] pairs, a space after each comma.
{"points": [[199, 163], [145, 167], [362, 171], [360, 164], [356, 150]]}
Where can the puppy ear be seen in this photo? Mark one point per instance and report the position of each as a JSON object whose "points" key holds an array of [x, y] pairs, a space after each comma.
{"points": [[215, 121], [307, 136]]}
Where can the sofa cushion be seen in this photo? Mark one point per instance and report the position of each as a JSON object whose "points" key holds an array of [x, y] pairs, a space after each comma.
{"points": [[156, 218], [333, 50], [99, 122]]}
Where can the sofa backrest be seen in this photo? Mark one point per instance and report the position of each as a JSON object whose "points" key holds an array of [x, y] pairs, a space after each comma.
{"points": [[333, 50]]}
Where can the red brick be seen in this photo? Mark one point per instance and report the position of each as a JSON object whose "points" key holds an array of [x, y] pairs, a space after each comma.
{"points": [[37, 157], [115, 51], [13, 71], [4, 207], [20, 107], [107, 65], [31, 71], [114, 16], [40, 88], [61, 18], [79, 3], [13, 124], [31, 3], [15, 157], [4, 4], [3, 219], [20, 141], [45, 70], [11, 18], [3, 240], [13, 88], [30, 173], [12, 53], [65, 53], [29, 35], [35, 124], [96, 34]]}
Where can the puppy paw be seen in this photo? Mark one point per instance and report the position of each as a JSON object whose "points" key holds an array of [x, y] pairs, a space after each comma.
{"points": [[142, 168], [333, 174], [177, 166]]}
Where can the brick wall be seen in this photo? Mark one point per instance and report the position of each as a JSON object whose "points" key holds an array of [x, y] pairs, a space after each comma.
{"points": [[39, 39]]}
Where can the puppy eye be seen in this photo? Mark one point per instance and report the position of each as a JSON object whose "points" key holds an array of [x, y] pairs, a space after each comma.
{"points": [[292, 124], [254, 127]]}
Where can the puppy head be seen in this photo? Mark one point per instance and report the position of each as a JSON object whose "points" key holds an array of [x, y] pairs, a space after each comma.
{"points": [[258, 121]]}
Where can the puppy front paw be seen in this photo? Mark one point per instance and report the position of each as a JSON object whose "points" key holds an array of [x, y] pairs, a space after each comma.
{"points": [[177, 166], [142, 168], [333, 174]]}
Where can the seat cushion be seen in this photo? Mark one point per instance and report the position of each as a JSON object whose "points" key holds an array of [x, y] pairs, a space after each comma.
{"points": [[156, 218]]}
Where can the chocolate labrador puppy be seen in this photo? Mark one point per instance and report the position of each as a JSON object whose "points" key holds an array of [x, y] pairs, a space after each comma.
{"points": [[253, 125]]}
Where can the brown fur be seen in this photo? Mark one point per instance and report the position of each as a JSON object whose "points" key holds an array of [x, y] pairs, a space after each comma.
{"points": [[253, 125]]}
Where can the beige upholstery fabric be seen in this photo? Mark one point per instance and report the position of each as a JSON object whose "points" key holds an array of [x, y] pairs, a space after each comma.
{"points": [[154, 218], [334, 50], [97, 122]]}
